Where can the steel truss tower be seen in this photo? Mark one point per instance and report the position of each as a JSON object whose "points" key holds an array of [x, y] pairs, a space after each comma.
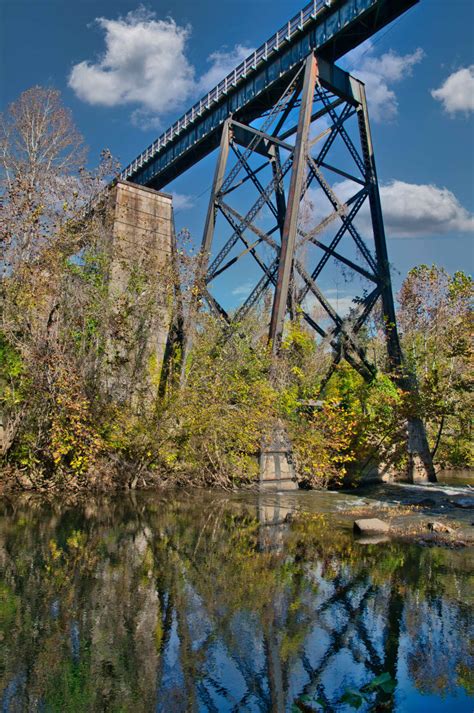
{"points": [[315, 141]]}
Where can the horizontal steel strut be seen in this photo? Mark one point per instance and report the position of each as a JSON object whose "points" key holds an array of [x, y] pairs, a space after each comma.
{"points": [[329, 27]]}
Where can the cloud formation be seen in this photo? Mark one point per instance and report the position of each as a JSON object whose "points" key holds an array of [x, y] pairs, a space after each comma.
{"points": [[422, 210], [243, 290], [340, 301], [222, 63], [410, 210], [457, 92], [379, 74], [145, 64]]}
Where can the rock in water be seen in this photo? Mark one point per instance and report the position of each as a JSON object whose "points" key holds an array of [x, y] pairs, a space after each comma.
{"points": [[370, 526], [467, 503], [439, 527]]}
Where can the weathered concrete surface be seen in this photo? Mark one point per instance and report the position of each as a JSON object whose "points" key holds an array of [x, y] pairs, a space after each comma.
{"points": [[420, 463], [377, 472], [140, 289], [276, 466], [419, 467]]}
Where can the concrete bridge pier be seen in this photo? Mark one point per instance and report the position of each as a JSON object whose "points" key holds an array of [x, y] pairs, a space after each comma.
{"points": [[276, 463], [140, 290]]}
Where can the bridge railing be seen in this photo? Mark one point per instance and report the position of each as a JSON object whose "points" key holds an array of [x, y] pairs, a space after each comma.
{"points": [[249, 65]]}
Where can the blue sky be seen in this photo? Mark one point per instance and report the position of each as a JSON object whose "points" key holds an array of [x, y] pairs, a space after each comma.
{"points": [[127, 71]]}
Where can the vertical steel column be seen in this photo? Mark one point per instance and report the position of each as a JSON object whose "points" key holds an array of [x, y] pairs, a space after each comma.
{"points": [[292, 210], [383, 266], [280, 201], [206, 244], [216, 186], [421, 462]]}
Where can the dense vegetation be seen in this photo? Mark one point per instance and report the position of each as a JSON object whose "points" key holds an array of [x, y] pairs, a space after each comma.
{"points": [[64, 338]]}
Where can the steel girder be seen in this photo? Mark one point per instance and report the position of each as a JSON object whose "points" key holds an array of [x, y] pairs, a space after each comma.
{"points": [[329, 27], [322, 93]]}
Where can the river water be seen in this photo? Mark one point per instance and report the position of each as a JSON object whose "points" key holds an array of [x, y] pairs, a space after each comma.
{"points": [[213, 602]]}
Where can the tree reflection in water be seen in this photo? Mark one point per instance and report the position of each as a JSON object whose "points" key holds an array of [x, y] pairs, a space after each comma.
{"points": [[216, 603]]}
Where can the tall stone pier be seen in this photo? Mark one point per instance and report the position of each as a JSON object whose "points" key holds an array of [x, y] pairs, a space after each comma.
{"points": [[140, 290]]}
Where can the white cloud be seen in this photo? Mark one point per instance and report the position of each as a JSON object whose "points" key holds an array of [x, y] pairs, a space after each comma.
{"points": [[457, 92], [183, 201], [422, 209], [144, 63], [409, 209], [379, 74], [340, 300], [342, 304], [222, 63]]}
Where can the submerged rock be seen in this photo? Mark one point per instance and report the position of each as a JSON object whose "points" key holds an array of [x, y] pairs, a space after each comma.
{"points": [[439, 527], [370, 526], [467, 503]]}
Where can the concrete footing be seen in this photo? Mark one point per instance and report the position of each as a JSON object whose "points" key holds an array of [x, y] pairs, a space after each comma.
{"points": [[420, 468], [276, 464]]}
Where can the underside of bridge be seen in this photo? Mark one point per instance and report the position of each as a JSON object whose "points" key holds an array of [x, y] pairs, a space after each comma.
{"points": [[295, 189], [282, 164]]}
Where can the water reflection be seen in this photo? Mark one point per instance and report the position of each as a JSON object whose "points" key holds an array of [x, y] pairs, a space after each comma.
{"points": [[222, 604]]}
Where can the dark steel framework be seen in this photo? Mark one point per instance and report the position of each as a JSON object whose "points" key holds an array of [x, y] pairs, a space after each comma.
{"points": [[316, 92]]}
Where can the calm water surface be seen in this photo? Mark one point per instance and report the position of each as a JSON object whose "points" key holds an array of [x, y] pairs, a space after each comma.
{"points": [[456, 476], [216, 603]]}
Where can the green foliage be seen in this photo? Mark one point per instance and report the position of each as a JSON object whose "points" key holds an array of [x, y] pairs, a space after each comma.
{"points": [[75, 443], [353, 697], [70, 688], [436, 319], [216, 422], [8, 609], [357, 697], [322, 442], [12, 374]]}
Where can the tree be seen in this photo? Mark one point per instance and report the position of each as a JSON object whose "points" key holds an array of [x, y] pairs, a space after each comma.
{"points": [[44, 188], [38, 139], [41, 154], [436, 321]]}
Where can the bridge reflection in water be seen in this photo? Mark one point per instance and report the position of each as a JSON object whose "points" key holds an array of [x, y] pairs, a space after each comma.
{"points": [[222, 603]]}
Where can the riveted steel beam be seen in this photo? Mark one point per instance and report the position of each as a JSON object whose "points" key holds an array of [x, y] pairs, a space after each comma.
{"points": [[290, 226]]}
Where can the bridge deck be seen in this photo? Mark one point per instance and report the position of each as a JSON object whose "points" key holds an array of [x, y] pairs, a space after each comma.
{"points": [[332, 27]]}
